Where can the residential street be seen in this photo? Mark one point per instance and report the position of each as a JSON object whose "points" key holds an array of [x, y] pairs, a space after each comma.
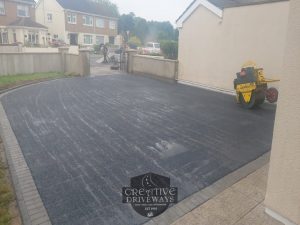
{"points": [[84, 138]]}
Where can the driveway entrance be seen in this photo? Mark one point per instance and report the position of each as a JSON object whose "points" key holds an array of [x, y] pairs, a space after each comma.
{"points": [[98, 68]]}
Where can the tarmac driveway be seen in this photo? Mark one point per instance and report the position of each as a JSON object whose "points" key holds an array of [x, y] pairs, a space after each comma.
{"points": [[84, 138]]}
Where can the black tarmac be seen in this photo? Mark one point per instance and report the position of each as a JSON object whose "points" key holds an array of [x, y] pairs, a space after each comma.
{"points": [[84, 138]]}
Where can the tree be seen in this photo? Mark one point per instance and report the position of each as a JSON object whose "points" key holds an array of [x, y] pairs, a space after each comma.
{"points": [[126, 24], [161, 31], [145, 30], [141, 28]]}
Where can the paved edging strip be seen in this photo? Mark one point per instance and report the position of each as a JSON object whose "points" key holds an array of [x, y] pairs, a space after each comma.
{"points": [[29, 201], [200, 197]]}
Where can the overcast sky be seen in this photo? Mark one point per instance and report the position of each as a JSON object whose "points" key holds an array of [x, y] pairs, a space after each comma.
{"points": [[159, 10]]}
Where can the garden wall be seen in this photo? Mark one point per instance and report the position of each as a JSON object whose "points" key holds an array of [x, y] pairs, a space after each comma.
{"points": [[155, 66], [27, 63]]}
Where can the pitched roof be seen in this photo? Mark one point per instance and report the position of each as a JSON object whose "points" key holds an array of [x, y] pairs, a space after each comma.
{"points": [[26, 22], [86, 6], [218, 5], [236, 3]]}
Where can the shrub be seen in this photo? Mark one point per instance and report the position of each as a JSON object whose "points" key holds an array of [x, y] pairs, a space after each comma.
{"points": [[169, 49], [134, 42]]}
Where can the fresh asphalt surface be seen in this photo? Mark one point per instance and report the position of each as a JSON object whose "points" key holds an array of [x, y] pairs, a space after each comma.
{"points": [[84, 138]]}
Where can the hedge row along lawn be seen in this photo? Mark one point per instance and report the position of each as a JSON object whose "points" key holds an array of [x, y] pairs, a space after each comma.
{"points": [[16, 80]]}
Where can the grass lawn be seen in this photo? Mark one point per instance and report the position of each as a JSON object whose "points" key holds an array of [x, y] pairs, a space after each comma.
{"points": [[14, 80], [6, 192], [6, 197]]}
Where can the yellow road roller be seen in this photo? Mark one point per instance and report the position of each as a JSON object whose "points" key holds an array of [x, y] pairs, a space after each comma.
{"points": [[252, 87]]}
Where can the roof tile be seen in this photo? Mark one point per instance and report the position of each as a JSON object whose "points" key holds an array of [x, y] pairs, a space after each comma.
{"points": [[26, 22], [86, 6]]}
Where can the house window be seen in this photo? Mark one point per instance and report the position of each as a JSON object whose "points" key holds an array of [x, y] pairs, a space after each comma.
{"points": [[23, 10], [33, 37], [2, 8], [72, 18], [49, 17], [3, 37], [112, 25], [88, 20], [99, 40], [88, 39], [99, 23]]}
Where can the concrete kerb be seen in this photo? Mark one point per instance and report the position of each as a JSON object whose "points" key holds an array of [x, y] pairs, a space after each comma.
{"points": [[200, 197]]}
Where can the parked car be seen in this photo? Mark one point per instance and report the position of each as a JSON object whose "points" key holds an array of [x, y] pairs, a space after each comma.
{"points": [[151, 48]]}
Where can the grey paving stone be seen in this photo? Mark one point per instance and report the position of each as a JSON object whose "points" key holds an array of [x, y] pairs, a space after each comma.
{"points": [[39, 215], [178, 211], [32, 192], [34, 206], [184, 208], [29, 188], [163, 219], [150, 222], [40, 220], [45, 223], [36, 211], [35, 199]]}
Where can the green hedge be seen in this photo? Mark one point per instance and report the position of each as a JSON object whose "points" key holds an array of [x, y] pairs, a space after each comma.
{"points": [[169, 49], [134, 42]]}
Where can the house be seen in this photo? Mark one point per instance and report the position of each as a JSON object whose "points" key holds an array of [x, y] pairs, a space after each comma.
{"points": [[17, 23], [216, 37], [77, 22]]}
